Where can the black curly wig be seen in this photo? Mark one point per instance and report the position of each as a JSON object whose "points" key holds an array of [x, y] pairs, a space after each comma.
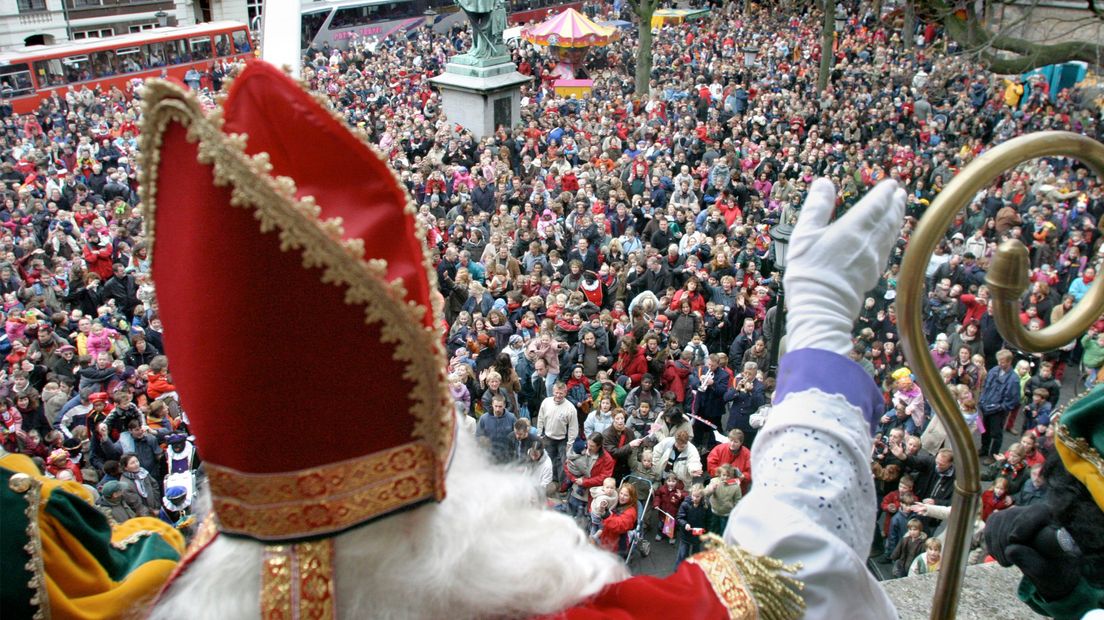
{"points": [[1073, 507]]}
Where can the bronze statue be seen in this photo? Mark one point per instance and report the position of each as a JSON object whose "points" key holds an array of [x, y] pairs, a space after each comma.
{"points": [[488, 20]]}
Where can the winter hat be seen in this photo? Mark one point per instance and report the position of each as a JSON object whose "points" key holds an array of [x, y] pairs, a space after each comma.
{"points": [[111, 488]]}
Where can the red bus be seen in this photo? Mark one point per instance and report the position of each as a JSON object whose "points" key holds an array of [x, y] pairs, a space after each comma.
{"points": [[525, 11], [28, 75]]}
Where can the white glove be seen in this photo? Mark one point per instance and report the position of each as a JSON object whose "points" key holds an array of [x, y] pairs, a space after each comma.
{"points": [[831, 266]]}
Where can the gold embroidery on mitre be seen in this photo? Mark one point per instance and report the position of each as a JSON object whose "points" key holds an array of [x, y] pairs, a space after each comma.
{"points": [[276, 583], [297, 581], [321, 500], [277, 207], [750, 586]]}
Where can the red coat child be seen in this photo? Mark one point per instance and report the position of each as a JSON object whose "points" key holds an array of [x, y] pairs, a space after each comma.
{"points": [[669, 497], [996, 498]]}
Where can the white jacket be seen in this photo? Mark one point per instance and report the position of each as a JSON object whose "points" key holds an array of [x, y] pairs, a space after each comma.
{"points": [[686, 467]]}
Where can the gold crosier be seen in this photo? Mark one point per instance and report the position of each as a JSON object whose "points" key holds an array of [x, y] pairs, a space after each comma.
{"points": [[1007, 281]]}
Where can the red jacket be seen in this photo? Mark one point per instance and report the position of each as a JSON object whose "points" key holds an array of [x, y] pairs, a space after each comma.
{"points": [[602, 469], [99, 262], [617, 525], [697, 301], [635, 367], [721, 454], [158, 385], [669, 500], [676, 378], [990, 503]]}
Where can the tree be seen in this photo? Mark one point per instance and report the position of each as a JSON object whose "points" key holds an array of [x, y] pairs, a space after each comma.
{"points": [[827, 38], [908, 29], [644, 10], [1003, 53]]}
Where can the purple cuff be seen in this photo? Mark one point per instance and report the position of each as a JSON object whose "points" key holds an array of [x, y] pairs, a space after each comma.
{"points": [[830, 373]]}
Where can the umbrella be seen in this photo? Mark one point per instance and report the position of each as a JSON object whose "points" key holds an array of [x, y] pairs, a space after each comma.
{"points": [[618, 23], [571, 29]]}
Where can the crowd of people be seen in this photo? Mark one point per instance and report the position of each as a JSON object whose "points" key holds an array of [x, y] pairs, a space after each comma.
{"points": [[607, 268]]}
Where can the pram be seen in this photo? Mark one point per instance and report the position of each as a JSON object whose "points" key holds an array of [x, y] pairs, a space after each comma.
{"points": [[635, 539]]}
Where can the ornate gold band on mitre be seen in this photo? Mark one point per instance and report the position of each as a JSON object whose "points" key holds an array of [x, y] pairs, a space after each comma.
{"points": [[297, 581], [321, 500], [748, 585]]}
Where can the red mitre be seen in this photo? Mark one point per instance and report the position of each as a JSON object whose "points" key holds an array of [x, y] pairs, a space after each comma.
{"points": [[295, 293]]}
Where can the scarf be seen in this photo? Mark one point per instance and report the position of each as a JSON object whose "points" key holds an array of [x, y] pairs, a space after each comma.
{"points": [[138, 479]]}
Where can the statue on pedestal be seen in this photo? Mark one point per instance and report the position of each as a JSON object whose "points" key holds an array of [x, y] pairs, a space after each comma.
{"points": [[488, 20]]}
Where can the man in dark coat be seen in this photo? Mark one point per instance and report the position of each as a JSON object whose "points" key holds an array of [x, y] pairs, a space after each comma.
{"points": [[122, 288], [708, 386]]}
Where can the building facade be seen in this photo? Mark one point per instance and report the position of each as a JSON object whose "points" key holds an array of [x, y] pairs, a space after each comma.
{"points": [[43, 22]]}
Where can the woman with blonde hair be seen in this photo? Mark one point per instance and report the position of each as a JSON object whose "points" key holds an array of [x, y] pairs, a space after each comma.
{"points": [[934, 437]]}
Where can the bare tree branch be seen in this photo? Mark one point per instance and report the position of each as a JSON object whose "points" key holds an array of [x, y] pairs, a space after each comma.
{"points": [[1097, 11], [1027, 55]]}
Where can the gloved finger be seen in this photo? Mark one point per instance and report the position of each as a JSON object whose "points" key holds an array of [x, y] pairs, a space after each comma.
{"points": [[818, 208], [876, 209], [887, 228], [1029, 521], [897, 209], [1027, 559], [1054, 579]]}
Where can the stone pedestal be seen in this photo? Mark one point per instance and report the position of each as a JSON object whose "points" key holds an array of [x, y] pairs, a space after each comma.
{"points": [[988, 592], [481, 95]]}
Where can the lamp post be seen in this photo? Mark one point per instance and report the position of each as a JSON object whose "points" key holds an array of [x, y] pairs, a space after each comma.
{"points": [[780, 245], [162, 18], [841, 18], [750, 53]]}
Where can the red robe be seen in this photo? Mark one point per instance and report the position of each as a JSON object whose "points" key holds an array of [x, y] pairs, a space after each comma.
{"points": [[689, 591]]}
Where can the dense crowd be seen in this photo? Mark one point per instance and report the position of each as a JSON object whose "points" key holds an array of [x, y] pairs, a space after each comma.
{"points": [[607, 268]]}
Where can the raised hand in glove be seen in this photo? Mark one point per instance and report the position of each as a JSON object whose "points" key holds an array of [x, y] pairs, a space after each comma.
{"points": [[831, 265], [1027, 537]]}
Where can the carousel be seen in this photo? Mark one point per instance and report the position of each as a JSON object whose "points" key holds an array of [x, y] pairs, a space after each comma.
{"points": [[568, 37]]}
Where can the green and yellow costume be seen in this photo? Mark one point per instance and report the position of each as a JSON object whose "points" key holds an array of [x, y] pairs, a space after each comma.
{"points": [[60, 557], [1079, 440]]}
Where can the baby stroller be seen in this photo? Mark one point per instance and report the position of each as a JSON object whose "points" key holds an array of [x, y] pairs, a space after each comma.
{"points": [[635, 540]]}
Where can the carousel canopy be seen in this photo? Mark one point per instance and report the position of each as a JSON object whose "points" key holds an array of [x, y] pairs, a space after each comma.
{"points": [[571, 29]]}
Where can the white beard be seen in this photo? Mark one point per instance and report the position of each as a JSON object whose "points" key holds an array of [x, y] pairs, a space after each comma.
{"points": [[490, 550]]}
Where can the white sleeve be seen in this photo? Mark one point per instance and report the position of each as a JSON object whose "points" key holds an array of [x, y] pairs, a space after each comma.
{"points": [[813, 503]]}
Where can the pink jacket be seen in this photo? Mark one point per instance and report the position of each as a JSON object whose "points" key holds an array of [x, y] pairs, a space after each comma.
{"points": [[100, 343]]}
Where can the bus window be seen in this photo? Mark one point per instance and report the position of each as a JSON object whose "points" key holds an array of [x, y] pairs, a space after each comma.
{"points": [[395, 10], [132, 59], [241, 41], [15, 80], [49, 73], [351, 16], [77, 69], [201, 48], [158, 54], [312, 23], [178, 51], [222, 45], [104, 64]]}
